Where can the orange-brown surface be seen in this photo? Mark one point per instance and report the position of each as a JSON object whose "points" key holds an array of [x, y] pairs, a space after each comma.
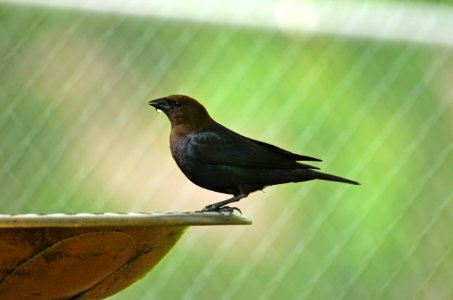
{"points": [[83, 262]]}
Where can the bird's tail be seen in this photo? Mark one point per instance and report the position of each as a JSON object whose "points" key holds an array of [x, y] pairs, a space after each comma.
{"points": [[324, 176]]}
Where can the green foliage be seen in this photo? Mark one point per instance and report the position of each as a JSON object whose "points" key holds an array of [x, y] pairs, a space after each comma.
{"points": [[74, 123]]}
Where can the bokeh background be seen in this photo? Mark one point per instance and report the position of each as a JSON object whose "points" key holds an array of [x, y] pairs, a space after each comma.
{"points": [[367, 86]]}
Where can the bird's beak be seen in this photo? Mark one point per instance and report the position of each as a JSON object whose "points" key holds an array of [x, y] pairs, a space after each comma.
{"points": [[160, 104]]}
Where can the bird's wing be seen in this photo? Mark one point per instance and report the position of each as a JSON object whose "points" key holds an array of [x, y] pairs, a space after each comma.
{"points": [[284, 152], [217, 145]]}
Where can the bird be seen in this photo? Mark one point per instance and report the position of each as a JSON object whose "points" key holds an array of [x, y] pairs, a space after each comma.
{"points": [[221, 160]]}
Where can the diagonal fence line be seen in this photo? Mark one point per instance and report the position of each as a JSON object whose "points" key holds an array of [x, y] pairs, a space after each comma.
{"points": [[86, 112], [301, 246], [357, 117], [392, 173], [254, 257], [436, 267], [32, 133], [419, 239], [419, 188], [11, 54]]}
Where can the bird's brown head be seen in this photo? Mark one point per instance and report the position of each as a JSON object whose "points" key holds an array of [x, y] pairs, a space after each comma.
{"points": [[184, 112]]}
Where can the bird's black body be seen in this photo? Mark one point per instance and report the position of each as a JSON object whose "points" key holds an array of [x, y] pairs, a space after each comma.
{"points": [[219, 159]]}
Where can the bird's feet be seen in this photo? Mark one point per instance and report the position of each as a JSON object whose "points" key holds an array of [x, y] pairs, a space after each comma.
{"points": [[222, 209], [229, 209]]}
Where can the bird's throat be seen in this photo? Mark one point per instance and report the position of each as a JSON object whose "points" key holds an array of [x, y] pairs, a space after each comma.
{"points": [[181, 129]]}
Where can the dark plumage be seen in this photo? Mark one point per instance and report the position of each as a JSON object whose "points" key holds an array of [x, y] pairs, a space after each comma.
{"points": [[216, 158]]}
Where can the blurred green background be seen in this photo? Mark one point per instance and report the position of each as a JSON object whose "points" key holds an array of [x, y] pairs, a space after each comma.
{"points": [[78, 136]]}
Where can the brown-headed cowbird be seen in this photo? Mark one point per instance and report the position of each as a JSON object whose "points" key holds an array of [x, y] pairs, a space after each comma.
{"points": [[219, 159]]}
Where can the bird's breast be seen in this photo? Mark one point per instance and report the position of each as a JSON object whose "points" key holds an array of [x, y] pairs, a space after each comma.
{"points": [[200, 173], [179, 149]]}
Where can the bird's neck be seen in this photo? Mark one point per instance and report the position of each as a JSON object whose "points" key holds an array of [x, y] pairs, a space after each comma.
{"points": [[182, 128]]}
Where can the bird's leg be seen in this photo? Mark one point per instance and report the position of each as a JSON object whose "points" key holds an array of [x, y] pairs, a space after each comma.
{"points": [[221, 206]]}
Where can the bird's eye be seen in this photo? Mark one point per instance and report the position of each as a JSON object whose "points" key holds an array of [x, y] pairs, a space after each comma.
{"points": [[177, 103]]}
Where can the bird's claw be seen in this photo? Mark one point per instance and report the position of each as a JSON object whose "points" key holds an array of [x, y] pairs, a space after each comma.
{"points": [[229, 209], [222, 209]]}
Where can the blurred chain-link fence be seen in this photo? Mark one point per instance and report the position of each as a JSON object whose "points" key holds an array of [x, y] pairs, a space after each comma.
{"points": [[365, 86]]}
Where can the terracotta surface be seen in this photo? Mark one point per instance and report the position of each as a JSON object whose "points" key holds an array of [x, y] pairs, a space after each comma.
{"points": [[66, 256]]}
